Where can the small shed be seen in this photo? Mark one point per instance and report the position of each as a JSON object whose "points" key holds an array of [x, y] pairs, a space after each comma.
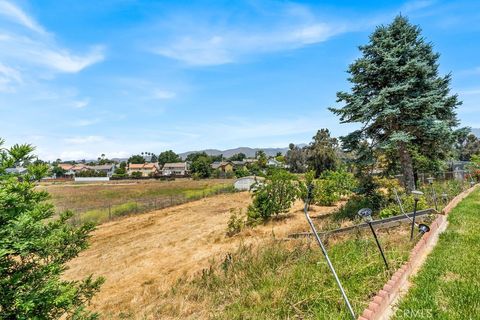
{"points": [[245, 183]]}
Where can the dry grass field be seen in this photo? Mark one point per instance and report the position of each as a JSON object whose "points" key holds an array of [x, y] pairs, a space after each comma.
{"points": [[79, 196], [143, 256]]}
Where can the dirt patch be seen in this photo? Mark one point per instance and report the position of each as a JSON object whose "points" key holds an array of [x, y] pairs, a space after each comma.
{"points": [[141, 256]]}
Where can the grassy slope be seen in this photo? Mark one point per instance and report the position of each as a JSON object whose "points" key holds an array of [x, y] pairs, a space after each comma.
{"points": [[278, 282], [448, 285]]}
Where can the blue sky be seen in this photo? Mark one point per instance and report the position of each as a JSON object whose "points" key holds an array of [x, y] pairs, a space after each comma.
{"points": [[81, 78]]}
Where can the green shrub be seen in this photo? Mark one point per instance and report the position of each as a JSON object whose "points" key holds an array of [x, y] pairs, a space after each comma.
{"points": [[235, 222], [136, 174], [325, 192], [350, 209], [274, 197], [303, 185]]}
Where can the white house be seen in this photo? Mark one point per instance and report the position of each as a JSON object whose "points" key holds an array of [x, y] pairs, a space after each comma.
{"points": [[175, 169]]}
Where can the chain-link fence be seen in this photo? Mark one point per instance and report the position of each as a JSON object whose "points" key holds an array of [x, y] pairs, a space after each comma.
{"points": [[111, 211]]}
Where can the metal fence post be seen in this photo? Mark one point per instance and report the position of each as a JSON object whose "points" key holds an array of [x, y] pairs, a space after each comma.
{"points": [[109, 212]]}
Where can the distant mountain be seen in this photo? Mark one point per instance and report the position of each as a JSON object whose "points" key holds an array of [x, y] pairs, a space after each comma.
{"points": [[476, 132], [249, 152]]}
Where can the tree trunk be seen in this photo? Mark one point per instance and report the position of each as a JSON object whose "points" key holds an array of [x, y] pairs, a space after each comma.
{"points": [[407, 167]]}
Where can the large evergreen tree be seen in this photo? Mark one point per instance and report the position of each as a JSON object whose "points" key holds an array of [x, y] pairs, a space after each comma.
{"points": [[35, 245], [399, 97]]}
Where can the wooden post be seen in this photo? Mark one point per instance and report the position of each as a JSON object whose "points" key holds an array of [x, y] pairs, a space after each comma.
{"points": [[109, 212]]}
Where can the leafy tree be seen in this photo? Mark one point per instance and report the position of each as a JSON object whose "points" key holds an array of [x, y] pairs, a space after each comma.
{"points": [[238, 157], [467, 145], [273, 198], [295, 159], [201, 168], [34, 248], [58, 171], [399, 97], [122, 168], [168, 157], [193, 156], [216, 158], [37, 170], [241, 172], [322, 152], [136, 159], [262, 159]]}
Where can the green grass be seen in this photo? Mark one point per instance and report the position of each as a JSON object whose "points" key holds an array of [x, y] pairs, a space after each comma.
{"points": [[448, 285], [279, 282]]}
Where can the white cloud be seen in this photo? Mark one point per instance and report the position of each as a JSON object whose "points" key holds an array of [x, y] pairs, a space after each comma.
{"points": [[17, 15], [86, 122], [163, 94], [222, 48], [205, 43], [8, 78], [84, 140], [79, 104], [33, 51]]}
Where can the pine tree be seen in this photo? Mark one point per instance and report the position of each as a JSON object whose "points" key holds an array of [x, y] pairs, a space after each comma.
{"points": [[35, 246], [399, 97]]}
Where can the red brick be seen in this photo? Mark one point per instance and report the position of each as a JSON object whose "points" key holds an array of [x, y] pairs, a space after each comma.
{"points": [[378, 299], [367, 313], [373, 306], [384, 294]]}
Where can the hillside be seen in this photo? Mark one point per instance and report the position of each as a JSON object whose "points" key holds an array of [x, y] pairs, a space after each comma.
{"points": [[249, 152]]}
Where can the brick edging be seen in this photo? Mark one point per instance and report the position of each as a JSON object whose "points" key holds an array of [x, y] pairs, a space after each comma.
{"points": [[380, 305]]}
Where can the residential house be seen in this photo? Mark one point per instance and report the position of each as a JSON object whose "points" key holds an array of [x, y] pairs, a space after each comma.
{"points": [[109, 169], [223, 166], [175, 169], [239, 164], [16, 170], [72, 169], [146, 169], [272, 162]]}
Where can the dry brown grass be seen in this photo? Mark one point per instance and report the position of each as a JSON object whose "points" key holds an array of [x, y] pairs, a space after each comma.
{"points": [[142, 256]]}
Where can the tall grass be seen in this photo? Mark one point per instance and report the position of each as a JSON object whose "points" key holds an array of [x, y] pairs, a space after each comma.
{"points": [[280, 282]]}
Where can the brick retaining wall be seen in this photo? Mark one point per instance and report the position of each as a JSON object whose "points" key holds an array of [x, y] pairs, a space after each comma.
{"points": [[381, 306]]}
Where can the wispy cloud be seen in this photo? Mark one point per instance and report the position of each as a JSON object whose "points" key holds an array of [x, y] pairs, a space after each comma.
{"points": [[8, 78], [84, 140], [79, 104], [30, 49], [163, 94], [16, 15], [86, 122], [206, 43]]}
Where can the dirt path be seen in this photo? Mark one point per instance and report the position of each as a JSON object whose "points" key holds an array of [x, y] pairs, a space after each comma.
{"points": [[141, 256]]}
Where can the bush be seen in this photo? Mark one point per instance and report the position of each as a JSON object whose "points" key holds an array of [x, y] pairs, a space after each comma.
{"points": [[235, 222], [325, 192], [91, 173], [274, 197], [136, 174], [303, 185]]}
